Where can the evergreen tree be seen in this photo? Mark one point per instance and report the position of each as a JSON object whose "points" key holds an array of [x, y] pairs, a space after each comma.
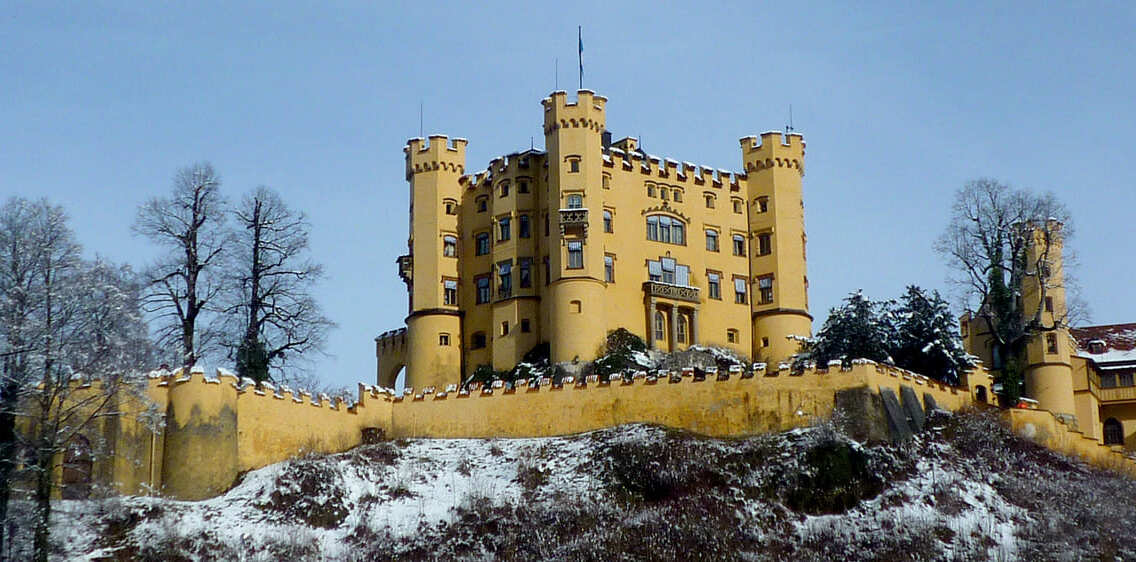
{"points": [[926, 340], [857, 329]]}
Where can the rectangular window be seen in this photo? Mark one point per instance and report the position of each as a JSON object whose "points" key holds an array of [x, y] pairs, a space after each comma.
{"points": [[546, 224], [450, 246], [764, 244], [482, 204], [575, 201], [1108, 380], [524, 228], [477, 340], [712, 240], [505, 328], [607, 222], [574, 165], [526, 327], [482, 243], [765, 286], [482, 289], [737, 206], [1049, 304], [609, 269], [450, 292], [504, 189], [522, 186], [575, 255], [732, 336], [1124, 379], [547, 271], [714, 282], [524, 279], [709, 201], [762, 204], [740, 290], [504, 229], [505, 279], [443, 339], [739, 245], [1051, 343], [668, 270]]}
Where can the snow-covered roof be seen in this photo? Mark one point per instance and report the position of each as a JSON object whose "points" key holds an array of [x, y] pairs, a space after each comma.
{"points": [[1115, 344]]}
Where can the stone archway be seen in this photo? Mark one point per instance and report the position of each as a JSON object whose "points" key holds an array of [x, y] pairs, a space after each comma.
{"points": [[78, 462]]}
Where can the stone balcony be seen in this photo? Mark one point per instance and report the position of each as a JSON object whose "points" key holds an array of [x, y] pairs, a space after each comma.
{"points": [[668, 291], [406, 268], [574, 220]]}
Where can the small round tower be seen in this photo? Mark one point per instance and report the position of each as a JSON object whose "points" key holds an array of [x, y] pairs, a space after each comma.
{"points": [[1049, 369], [778, 283], [433, 326], [573, 138]]}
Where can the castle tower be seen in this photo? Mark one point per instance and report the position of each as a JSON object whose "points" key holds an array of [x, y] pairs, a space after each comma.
{"points": [[1049, 369], [433, 326], [573, 139], [778, 282]]}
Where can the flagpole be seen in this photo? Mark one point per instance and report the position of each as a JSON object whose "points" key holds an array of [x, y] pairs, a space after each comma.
{"points": [[580, 35]]}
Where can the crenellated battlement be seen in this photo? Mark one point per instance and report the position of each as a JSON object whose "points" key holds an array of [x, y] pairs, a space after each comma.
{"points": [[588, 111], [774, 150], [438, 153], [671, 169]]}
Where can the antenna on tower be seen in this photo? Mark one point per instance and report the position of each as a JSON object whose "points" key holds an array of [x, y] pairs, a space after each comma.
{"points": [[557, 79], [789, 127], [420, 132]]}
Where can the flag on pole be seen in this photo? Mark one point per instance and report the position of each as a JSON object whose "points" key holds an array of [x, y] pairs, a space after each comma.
{"points": [[580, 31]]}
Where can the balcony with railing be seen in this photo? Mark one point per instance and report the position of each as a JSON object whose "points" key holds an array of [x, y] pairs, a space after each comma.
{"points": [[406, 268], [1118, 394], [574, 221], [668, 291]]}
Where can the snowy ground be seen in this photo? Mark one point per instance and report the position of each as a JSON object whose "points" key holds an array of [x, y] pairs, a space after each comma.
{"points": [[966, 490]]}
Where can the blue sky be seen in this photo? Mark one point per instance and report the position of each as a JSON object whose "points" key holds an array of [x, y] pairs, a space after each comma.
{"points": [[900, 104]]}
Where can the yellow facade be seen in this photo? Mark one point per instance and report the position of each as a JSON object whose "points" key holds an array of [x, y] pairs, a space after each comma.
{"points": [[562, 246]]}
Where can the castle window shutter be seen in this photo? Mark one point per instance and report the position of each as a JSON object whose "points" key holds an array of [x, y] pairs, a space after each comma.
{"points": [[682, 276], [655, 268], [450, 284]]}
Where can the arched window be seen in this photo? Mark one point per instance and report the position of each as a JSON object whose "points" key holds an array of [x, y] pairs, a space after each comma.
{"points": [[739, 245], [608, 226], [1113, 432], [482, 243], [662, 228], [676, 194], [663, 193], [660, 326]]}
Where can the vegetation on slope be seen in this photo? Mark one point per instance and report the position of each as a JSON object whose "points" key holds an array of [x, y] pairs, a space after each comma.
{"points": [[965, 489]]}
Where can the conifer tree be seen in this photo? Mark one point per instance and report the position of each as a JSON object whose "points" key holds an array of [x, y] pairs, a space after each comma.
{"points": [[926, 339]]}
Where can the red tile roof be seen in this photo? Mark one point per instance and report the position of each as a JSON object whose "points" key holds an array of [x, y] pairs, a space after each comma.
{"points": [[1120, 337]]}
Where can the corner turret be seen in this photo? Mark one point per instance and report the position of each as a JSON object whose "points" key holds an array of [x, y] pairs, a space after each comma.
{"points": [[778, 275]]}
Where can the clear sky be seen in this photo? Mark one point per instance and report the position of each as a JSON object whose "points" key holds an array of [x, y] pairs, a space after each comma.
{"points": [[100, 104]]}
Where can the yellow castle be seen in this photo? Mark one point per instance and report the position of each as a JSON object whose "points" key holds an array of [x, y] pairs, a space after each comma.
{"points": [[564, 245], [560, 247]]}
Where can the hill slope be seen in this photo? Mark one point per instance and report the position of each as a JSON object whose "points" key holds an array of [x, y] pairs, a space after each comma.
{"points": [[965, 489]]}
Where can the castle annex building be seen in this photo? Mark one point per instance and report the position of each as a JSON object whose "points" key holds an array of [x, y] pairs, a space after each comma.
{"points": [[563, 245]]}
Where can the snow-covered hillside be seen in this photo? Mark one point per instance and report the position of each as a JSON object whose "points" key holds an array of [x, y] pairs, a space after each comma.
{"points": [[966, 489]]}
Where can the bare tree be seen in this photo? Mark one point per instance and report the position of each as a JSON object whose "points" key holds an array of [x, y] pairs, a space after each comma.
{"points": [[18, 267], [271, 306], [81, 318], [999, 240], [184, 284]]}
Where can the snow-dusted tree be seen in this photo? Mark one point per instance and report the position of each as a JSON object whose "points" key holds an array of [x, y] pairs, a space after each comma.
{"points": [[988, 248], [926, 337], [79, 318], [858, 329], [19, 249], [184, 284], [270, 307]]}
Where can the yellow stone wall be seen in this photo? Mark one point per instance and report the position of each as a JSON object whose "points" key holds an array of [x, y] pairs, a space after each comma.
{"points": [[573, 308]]}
